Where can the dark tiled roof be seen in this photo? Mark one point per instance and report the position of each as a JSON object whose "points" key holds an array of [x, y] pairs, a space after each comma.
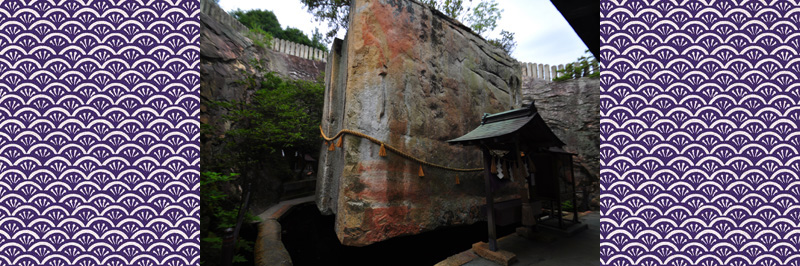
{"points": [[525, 121], [495, 129]]}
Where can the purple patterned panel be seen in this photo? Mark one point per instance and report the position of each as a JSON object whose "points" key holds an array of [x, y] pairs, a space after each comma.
{"points": [[701, 106], [99, 133]]}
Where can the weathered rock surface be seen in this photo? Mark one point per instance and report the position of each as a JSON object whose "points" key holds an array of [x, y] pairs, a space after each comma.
{"points": [[414, 78], [572, 110], [227, 58]]}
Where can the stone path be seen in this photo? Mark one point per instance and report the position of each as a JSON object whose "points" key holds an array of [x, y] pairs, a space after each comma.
{"points": [[282, 206], [580, 249], [269, 249]]}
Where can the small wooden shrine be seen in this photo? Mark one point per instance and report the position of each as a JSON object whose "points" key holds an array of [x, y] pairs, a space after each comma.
{"points": [[519, 146]]}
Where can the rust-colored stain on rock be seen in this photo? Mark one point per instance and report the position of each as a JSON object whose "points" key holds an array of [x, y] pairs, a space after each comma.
{"points": [[396, 37], [387, 182], [389, 222]]}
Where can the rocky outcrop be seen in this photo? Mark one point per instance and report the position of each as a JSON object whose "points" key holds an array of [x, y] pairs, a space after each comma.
{"points": [[572, 110], [228, 58], [412, 77]]}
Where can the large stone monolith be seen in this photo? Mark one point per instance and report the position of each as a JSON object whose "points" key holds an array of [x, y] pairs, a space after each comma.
{"points": [[410, 76]]}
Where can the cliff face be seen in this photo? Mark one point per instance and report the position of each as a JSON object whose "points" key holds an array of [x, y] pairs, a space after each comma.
{"points": [[227, 58], [571, 109], [413, 78]]}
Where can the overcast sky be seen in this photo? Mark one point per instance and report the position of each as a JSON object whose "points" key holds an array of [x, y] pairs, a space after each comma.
{"points": [[542, 34]]}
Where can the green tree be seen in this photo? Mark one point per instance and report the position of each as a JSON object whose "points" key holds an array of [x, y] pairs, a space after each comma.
{"points": [[316, 39], [264, 20], [281, 114], [259, 19], [335, 12], [296, 35], [483, 17], [506, 42], [452, 8], [218, 212]]}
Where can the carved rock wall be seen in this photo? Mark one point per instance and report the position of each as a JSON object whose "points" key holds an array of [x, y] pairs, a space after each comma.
{"points": [[412, 77]]}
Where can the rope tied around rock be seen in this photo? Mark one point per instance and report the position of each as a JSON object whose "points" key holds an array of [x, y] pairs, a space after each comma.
{"points": [[391, 148]]}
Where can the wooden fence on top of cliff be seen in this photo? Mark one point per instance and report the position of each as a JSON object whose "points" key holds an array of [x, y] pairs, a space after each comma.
{"points": [[297, 49], [548, 72], [211, 9]]}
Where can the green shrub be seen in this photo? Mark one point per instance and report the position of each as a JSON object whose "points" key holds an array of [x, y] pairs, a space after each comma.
{"points": [[260, 37], [585, 64], [566, 206], [218, 212], [281, 115], [265, 21]]}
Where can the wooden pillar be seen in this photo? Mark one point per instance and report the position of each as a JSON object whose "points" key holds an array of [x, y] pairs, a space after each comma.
{"points": [[487, 161], [574, 199], [560, 176], [521, 175], [560, 214]]}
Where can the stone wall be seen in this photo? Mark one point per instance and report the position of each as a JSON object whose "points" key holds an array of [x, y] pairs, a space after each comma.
{"points": [[572, 110], [414, 78]]}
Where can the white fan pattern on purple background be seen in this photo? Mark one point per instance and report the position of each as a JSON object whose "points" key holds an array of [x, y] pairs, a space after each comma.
{"points": [[99, 135], [700, 109]]}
